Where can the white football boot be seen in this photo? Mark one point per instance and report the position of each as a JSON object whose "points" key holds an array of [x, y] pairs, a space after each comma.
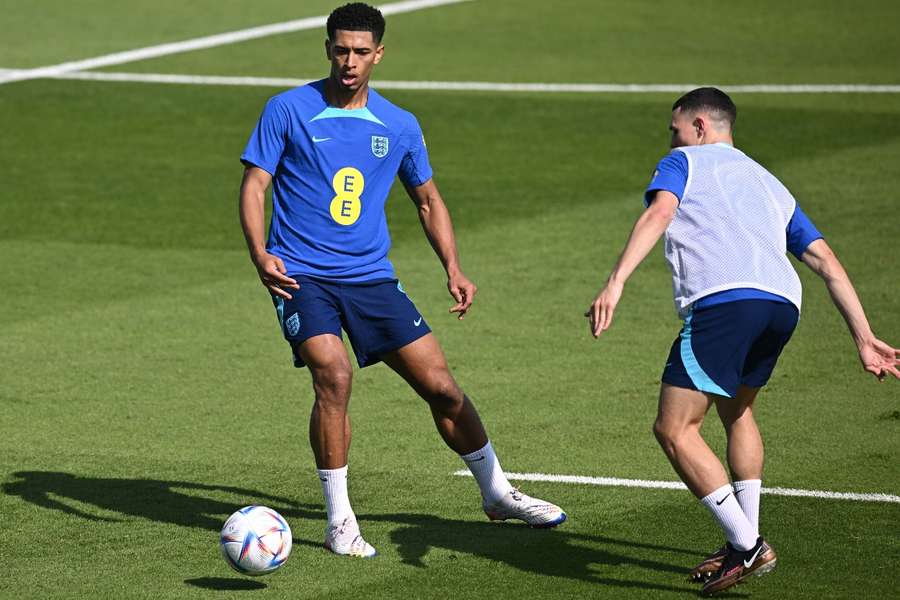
{"points": [[346, 540], [516, 505]]}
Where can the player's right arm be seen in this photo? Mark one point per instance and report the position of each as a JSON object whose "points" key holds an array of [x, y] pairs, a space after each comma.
{"points": [[649, 227], [877, 357], [253, 214], [661, 199]]}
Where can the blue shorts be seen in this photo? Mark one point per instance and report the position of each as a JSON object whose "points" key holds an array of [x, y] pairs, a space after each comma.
{"points": [[378, 316], [728, 345]]}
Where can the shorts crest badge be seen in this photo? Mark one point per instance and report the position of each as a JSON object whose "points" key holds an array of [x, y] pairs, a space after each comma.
{"points": [[292, 325], [379, 146]]}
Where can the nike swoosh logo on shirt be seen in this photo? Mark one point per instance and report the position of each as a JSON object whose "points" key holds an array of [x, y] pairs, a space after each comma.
{"points": [[749, 563], [417, 322], [318, 140]]}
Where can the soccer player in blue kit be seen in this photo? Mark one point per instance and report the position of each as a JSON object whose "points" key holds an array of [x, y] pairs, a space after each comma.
{"points": [[331, 150], [728, 224]]}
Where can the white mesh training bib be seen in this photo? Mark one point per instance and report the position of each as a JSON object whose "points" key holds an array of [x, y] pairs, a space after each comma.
{"points": [[729, 230]]}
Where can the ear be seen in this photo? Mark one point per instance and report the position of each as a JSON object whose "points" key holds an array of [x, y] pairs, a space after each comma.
{"points": [[379, 53], [327, 48], [700, 126]]}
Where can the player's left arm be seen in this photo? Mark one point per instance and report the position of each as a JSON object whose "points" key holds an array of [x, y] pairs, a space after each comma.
{"points": [[435, 219], [877, 357], [649, 227]]}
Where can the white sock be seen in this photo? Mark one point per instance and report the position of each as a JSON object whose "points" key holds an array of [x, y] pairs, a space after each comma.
{"points": [[726, 510], [337, 502], [747, 494], [486, 468]]}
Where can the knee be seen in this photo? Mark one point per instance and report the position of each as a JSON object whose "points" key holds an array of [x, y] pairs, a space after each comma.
{"points": [[667, 434], [741, 417], [333, 386], [442, 392]]}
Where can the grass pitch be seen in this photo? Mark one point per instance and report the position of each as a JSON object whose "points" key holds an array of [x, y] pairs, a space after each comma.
{"points": [[145, 393]]}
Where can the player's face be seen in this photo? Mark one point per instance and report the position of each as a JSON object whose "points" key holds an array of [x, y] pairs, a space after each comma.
{"points": [[684, 129], [352, 55]]}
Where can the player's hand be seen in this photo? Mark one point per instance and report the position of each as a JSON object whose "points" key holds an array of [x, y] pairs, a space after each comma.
{"points": [[463, 291], [272, 274], [880, 359], [601, 311]]}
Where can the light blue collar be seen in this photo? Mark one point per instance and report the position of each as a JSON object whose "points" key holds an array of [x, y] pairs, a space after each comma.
{"points": [[348, 113]]}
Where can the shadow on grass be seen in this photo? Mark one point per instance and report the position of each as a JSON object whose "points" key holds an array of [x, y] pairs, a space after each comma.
{"points": [[161, 501], [231, 584], [556, 553]]}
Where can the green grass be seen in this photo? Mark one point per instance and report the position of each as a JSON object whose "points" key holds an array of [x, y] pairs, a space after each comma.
{"points": [[598, 41], [45, 32], [145, 393]]}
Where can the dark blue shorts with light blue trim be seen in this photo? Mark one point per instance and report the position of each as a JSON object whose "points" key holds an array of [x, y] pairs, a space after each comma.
{"points": [[728, 345], [378, 316]]}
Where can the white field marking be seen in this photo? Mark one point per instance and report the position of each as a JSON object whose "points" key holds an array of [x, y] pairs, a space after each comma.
{"points": [[677, 485], [591, 88], [200, 43]]}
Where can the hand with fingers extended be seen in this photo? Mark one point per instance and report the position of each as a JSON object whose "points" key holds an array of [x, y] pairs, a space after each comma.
{"points": [[880, 358], [273, 275], [601, 311], [463, 291]]}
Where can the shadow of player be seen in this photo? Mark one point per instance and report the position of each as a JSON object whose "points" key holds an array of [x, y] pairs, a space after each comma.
{"points": [[176, 502], [556, 552]]}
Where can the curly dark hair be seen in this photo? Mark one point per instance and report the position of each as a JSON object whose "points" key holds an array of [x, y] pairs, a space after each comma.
{"points": [[356, 16], [710, 99]]}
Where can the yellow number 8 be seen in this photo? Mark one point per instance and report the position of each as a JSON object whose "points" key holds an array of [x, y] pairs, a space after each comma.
{"points": [[348, 184]]}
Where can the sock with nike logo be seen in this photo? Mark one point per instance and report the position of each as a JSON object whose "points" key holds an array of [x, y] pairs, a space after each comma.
{"points": [[726, 510], [485, 467], [747, 494], [337, 501]]}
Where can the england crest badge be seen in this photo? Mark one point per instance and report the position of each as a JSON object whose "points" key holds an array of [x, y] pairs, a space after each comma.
{"points": [[379, 146], [293, 324]]}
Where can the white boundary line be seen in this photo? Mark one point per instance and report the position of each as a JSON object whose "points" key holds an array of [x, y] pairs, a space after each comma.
{"points": [[677, 485], [200, 43], [590, 88]]}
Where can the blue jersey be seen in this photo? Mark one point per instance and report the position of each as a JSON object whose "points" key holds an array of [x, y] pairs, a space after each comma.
{"points": [[332, 170], [672, 174]]}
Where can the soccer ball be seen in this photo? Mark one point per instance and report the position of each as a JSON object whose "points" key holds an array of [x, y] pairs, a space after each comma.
{"points": [[255, 540]]}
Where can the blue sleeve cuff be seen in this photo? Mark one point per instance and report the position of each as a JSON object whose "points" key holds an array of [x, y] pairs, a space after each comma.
{"points": [[801, 233], [250, 161], [671, 175], [418, 179]]}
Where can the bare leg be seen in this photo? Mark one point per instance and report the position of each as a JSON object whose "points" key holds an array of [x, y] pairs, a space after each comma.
{"points": [[422, 364], [329, 423], [329, 436], [677, 428], [745, 450], [745, 445]]}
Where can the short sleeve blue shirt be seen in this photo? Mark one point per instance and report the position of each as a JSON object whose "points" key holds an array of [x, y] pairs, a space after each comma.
{"points": [[672, 174], [332, 170]]}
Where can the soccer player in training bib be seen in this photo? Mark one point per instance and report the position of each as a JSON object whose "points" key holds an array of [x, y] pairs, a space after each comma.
{"points": [[331, 150], [728, 224]]}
